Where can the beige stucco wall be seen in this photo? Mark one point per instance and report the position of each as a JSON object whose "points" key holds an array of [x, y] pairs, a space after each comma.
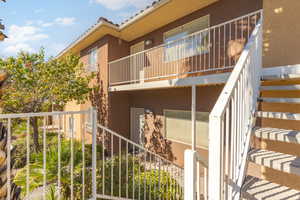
{"points": [[281, 32], [80, 122], [157, 101]]}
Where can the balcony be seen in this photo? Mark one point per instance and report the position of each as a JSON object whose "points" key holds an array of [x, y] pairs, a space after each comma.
{"points": [[213, 50]]}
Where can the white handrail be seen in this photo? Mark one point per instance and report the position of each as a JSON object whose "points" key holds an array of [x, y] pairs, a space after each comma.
{"points": [[42, 114], [231, 122], [134, 144]]}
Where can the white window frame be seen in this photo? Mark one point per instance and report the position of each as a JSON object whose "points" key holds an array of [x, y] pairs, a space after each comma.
{"points": [[93, 67], [178, 141]]}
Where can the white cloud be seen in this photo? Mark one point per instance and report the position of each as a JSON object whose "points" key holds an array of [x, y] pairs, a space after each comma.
{"points": [[21, 34], [47, 24], [31, 36], [65, 21], [119, 4], [39, 23], [22, 38], [37, 11], [15, 48], [125, 14], [54, 48], [29, 22], [62, 21]]}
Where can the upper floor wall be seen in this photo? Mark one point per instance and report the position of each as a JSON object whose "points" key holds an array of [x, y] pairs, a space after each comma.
{"points": [[111, 48], [219, 12], [281, 32]]}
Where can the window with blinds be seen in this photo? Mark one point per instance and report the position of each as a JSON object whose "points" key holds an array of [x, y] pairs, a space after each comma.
{"points": [[181, 44], [178, 127]]}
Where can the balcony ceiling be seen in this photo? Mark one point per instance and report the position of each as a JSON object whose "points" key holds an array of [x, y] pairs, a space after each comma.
{"points": [[163, 15], [152, 18]]}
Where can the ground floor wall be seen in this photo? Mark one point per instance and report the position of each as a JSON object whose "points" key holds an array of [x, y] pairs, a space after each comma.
{"points": [[82, 127], [156, 102]]}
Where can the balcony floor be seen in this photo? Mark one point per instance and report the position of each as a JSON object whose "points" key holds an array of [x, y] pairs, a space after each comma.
{"points": [[210, 79]]}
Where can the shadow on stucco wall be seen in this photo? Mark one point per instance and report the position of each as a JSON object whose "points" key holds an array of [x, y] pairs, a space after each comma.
{"points": [[154, 139]]}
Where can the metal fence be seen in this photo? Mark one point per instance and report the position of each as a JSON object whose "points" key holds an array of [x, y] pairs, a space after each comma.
{"points": [[45, 155], [129, 171], [55, 155]]}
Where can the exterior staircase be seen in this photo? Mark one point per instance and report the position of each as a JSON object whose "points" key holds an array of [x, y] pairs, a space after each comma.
{"points": [[274, 159]]}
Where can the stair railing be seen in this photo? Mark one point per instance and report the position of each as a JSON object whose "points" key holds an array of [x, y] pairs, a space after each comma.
{"points": [[231, 122], [126, 170]]}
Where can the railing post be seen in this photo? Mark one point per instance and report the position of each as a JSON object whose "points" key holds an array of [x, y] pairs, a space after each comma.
{"points": [[93, 113], [214, 166], [190, 158], [194, 118], [190, 175]]}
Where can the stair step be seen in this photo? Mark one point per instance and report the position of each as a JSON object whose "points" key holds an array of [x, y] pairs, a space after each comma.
{"points": [[278, 115], [257, 189], [278, 161], [282, 135], [280, 94], [280, 82], [280, 77], [279, 100], [278, 123], [279, 107], [280, 87]]}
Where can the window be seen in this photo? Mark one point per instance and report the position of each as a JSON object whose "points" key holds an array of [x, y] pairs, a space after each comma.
{"points": [[181, 44], [178, 127], [88, 122], [93, 60]]}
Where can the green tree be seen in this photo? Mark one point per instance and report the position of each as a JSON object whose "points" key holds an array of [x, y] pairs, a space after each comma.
{"points": [[35, 85]]}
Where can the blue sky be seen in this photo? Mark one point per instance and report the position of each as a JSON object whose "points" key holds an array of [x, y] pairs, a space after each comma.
{"points": [[53, 24]]}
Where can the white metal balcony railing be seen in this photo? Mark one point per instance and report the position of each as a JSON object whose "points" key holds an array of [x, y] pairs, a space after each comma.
{"points": [[70, 165], [231, 122], [214, 49]]}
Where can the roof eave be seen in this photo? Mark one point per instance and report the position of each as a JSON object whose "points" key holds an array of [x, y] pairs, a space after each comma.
{"points": [[113, 26], [83, 36], [144, 13]]}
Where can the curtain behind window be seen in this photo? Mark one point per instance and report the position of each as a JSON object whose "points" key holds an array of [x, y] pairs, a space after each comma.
{"points": [[181, 44]]}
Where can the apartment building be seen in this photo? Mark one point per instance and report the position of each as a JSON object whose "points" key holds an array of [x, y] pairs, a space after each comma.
{"points": [[137, 84], [149, 63]]}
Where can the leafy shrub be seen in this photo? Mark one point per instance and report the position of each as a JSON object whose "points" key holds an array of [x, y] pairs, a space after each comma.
{"points": [[140, 184], [36, 166], [152, 185], [159, 186]]}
